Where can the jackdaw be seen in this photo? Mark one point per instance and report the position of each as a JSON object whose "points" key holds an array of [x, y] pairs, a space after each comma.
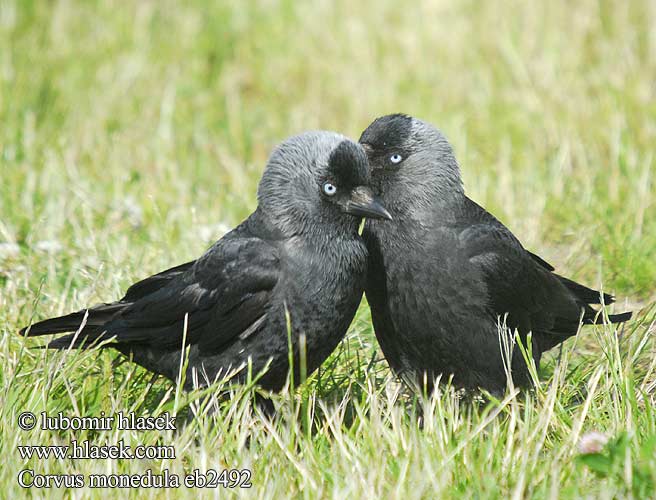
{"points": [[445, 274], [294, 270]]}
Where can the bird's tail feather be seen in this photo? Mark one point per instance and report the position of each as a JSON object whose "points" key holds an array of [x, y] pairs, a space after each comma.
{"points": [[567, 326], [592, 316], [85, 339], [60, 324], [585, 294], [96, 317]]}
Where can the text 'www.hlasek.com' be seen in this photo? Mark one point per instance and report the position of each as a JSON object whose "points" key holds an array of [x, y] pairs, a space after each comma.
{"points": [[30, 477]]}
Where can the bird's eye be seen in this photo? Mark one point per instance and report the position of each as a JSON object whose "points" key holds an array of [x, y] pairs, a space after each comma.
{"points": [[329, 189], [396, 158]]}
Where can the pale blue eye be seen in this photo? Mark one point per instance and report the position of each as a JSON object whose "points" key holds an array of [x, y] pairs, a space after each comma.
{"points": [[396, 158], [329, 189]]}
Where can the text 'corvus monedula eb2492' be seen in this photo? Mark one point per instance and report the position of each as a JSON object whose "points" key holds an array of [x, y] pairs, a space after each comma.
{"points": [[444, 272], [297, 261]]}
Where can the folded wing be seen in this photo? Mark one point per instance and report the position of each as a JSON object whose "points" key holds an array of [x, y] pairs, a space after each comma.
{"points": [[209, 302], [524, 287]]}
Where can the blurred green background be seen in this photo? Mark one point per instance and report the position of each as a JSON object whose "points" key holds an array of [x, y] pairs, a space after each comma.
{"points": [[133, 135]]}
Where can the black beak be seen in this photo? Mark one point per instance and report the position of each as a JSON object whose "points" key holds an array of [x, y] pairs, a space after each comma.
{"points": [[363, 203]]}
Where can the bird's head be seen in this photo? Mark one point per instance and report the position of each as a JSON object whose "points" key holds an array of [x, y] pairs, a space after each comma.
{"points": [[412, 163], [316, 179]]}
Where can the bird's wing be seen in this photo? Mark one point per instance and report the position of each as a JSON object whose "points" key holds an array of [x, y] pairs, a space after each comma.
{"points": [[94, 318], [153, 283], [220, 296], [517, 283]]}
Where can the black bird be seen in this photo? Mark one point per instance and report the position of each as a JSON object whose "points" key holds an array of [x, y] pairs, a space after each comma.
{"points": [[296, 264], [444, 274]]}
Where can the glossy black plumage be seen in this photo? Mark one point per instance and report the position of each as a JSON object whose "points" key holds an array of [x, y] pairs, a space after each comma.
{"points": [[444, 271], [298, 256]]}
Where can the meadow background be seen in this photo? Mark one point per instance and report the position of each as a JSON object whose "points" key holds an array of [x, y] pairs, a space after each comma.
{"points": [[133, 134]]}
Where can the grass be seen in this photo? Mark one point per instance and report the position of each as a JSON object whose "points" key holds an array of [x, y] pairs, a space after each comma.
{"points": [[134, 133]]}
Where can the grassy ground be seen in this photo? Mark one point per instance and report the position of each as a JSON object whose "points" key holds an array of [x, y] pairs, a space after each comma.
{"points": [[134, 133]]}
